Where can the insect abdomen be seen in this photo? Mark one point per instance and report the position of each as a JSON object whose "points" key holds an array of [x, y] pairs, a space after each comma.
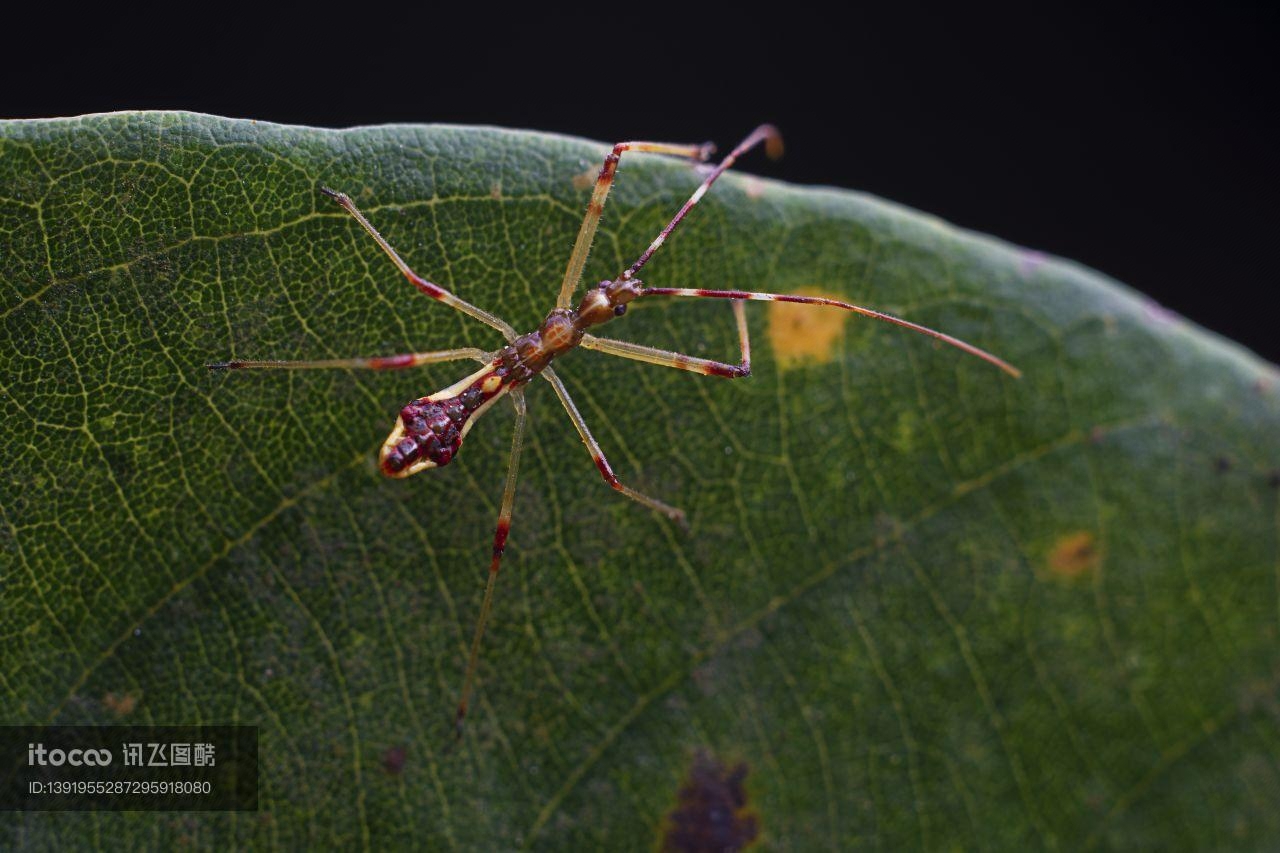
{"points": [[431, 432]]}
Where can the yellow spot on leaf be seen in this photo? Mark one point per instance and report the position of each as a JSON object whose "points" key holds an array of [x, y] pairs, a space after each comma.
{"points": [[805, 333], [1074, 555], [120, 704], [905, 431]]}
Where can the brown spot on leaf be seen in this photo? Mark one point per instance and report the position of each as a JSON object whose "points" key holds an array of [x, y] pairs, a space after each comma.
{"points": [[1074, 555], [582, 180], [393, 760], [805, 333], [711, 809], [495, 190], [120, 704]]}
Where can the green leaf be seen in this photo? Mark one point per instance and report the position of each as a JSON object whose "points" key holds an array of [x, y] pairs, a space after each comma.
{"points": [[920, 603]]}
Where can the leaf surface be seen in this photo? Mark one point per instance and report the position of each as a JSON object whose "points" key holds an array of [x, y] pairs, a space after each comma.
{"points": [[920, 603]]}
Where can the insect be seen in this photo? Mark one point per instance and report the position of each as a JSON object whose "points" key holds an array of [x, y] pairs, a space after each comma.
{"points": [[429, 431]]}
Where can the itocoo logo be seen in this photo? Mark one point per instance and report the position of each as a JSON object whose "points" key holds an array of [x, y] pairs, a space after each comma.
{"points": [[37, 754]]}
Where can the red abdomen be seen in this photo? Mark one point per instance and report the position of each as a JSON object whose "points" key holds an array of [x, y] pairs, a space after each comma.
{"points": [[432, 430]]}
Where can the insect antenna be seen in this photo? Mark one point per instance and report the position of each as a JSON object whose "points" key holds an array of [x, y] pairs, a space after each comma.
{"points": [[766, 133]]}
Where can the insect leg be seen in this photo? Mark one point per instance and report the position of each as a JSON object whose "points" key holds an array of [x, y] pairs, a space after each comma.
{"points": [[665, 358], [835, 303], [499, 546], [381, 362], [435, 291], [587, 231], [766, 133], [676, 515]]}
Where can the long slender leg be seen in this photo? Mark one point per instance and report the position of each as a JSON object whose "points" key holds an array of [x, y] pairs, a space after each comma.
{"points": [[834, 303], [381, 362], [680, 361], [435, 291], [765, 133], [676, 515], [587, 231], [499, 546]]}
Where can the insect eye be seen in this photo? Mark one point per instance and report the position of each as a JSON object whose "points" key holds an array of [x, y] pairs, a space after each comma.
{"points": [[619, 310]]}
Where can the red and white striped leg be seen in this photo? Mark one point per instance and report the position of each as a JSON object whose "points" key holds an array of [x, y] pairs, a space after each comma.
{"points": [[666, 358], [435, 291], [604, 181], [765, 133], [597, 455], [495, 563], [834, 303], [381, 362]]}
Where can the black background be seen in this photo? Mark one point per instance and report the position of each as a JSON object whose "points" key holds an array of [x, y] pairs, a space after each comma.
{"points": [[1139, 142]]}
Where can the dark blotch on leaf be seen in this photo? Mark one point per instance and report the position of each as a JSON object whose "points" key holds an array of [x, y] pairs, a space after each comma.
{"points": [[1222, 464], [710, 812], [393, 760], [1273, 479]]}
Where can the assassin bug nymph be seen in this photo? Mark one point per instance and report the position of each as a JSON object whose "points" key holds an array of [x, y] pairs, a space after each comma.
{"points": [[429, 431]]}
